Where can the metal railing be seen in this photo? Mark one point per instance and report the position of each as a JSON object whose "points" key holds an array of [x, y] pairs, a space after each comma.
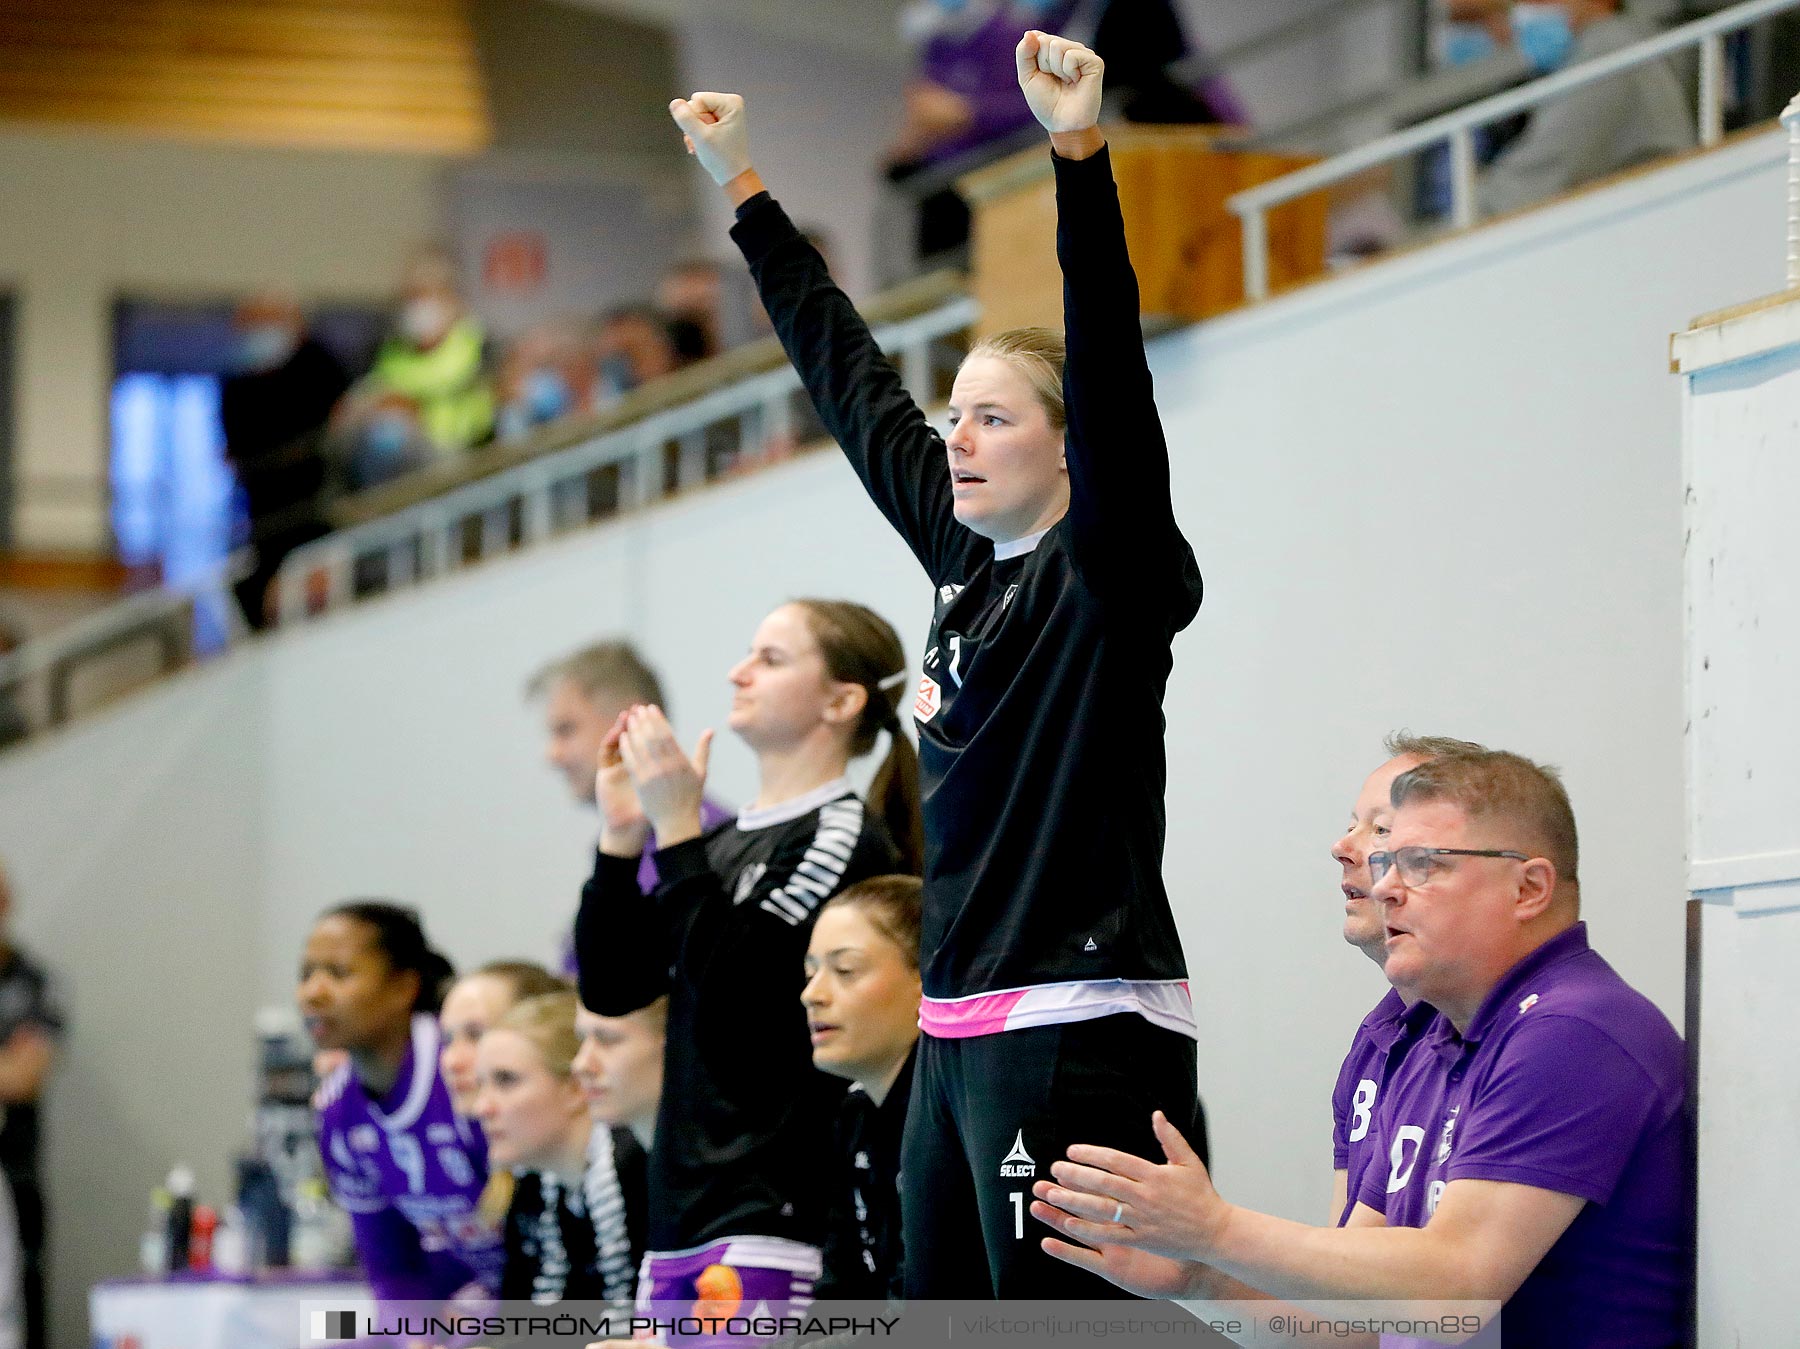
{"points": [[1458, 128], [666, 452], [163, 617]]}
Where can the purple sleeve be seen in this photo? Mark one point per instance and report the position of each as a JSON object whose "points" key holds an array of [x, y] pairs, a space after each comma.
{"points": [[1341, 1095], [1372, 1191], [1564, 1109], [387, 1246]]}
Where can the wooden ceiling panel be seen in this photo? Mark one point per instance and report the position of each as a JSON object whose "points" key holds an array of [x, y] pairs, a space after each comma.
{"points": [[365, 74]]}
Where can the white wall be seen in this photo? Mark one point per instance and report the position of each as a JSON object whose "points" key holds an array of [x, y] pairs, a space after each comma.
{"points": [[87, 217], [1441, 493], [1743, 661], [134, 846]]}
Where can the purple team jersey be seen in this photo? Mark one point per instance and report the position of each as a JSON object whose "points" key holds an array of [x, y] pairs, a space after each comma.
{"points": [[410, 1171], [1381, 1042], [1567, 1080]]}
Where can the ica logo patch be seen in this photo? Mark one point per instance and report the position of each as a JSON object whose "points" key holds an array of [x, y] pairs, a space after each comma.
{"points": [[929, 699]]}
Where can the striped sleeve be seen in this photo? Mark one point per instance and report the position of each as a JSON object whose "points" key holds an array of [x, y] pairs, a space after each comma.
{"points": [[605, 1197], [819, 874]]}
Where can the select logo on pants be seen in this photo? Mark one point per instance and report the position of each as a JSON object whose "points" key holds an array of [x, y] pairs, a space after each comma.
{"points": [[334, 1325], [1017, 1164]]}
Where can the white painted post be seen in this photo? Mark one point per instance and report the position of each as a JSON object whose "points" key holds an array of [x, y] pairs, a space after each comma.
{"points": [[400, 564], [1712, 89], [1791, 120], [1462, 177], [1256, 254], [537, 509]]}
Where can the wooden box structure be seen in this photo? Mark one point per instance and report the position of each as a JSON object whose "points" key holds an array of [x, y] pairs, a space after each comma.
{"points": [[1185, 243]]}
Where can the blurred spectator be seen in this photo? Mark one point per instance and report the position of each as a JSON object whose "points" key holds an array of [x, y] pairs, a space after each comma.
{"points": [[274, 409], [14, 725], [1469, 31], [31, 1023], [1636, 116], [428, 393], [965, 92], [545, 375], [583, 694], [632, 346], [691, 295], [1473, 30], [12, 1313]]}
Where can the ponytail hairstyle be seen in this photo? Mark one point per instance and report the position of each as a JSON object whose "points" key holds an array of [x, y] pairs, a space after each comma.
{"points": [[401, 939], [892, 904], [1039, 355], [861, 647], [548, 1022]]}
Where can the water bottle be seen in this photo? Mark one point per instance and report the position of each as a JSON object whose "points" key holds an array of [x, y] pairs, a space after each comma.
{"points": [[234, 1247], [200, 1245], [153, 1246], [314, 1242], [181, 1218]]}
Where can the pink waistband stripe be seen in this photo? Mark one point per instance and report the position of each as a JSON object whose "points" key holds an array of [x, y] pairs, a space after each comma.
{"points": [[1165, 1002]]}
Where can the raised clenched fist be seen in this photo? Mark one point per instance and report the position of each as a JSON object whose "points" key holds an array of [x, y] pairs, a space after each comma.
{"points": [[1061, 81], [717, 133]]}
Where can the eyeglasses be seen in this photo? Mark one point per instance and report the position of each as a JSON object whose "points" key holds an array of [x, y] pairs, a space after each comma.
{"points": [[1417, 864]]}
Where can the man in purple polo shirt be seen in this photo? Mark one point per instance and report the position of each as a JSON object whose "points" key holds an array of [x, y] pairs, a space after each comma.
{"points": [[1389, 1030], [1534, 1136], [583, 694]]}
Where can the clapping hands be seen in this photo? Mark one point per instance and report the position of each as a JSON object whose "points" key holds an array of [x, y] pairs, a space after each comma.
{"points": [[645, 780], [1138, 1223]]}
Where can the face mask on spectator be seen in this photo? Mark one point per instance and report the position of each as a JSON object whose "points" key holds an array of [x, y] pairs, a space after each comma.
{"points": [[617, 378], [546, 395], [388, 434], [1543, 34], [544, 398], [263, 347], [1467, 43], [426, 319]]}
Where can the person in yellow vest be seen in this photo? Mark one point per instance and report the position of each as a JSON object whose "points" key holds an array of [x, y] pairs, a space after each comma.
{"points": [[429, 392]]}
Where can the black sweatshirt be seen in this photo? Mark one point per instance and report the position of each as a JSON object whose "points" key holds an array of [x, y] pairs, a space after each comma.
{"points": [[744, 1117], [1040, 705], [579, 1240], [862, 1239]]}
